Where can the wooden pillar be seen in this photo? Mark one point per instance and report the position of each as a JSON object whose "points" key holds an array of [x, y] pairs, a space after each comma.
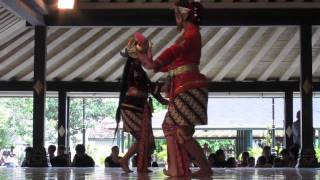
{"points": [[39, 96], [288, 118], [62, 119], [307, 153]]}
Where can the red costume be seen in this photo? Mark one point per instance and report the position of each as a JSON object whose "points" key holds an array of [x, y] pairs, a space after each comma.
{"points": [[188, 96], [181, 60]]}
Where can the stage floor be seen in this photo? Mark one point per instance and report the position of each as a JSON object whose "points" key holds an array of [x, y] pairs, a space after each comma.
{"points": [[117, 174]]}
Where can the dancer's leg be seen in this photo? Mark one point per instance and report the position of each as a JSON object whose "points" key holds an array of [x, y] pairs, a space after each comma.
{"points": [[172, 157], [124, 161], [193, 147]]}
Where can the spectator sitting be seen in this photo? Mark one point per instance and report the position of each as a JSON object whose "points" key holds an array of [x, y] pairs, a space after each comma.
{"points": [[113, 159], [154, 164], [27, 159], [220, 160], [81, 159], [51, 151], [285, 158], [244, 159], [266, 153], [62, 159], [4, 157], [251, 162], [231, 162], [206, 149], [261, 162], [211, 159]]}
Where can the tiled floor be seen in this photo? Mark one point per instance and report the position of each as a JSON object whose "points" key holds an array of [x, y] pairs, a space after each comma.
{"points": [[117, 174]]}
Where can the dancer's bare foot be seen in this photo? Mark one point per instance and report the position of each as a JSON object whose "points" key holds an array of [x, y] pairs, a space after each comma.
{"points": [[124, 165], [170, 174], [202, 173]]}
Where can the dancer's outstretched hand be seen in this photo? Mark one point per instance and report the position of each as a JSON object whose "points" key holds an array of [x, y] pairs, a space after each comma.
{"points": [[146, 59]]}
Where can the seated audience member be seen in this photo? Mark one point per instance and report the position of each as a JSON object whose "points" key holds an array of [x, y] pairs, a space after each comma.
{"points": [[206, 149], [251, 162], [62, 159], [294, 154], [154, 161], [211, 159], [113, 159], [244, 159], [27, 159], [266, 153], [231, 162], [261, 162], [51, 151], [154, 164], [220, 160], [285, 161], [4, 157], [81, 159]]}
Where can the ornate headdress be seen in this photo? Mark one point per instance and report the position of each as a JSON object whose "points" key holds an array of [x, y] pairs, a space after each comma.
{"points": [[136, 43], [191, 11]]}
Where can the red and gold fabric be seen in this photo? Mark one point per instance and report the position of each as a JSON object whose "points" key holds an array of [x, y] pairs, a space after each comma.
{"points": [[181, 61]]}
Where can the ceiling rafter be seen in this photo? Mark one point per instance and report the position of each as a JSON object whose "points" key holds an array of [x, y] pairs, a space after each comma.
{"points": [[29, 62], [93, 59], [12, 32], [76, 43], [108, 50], [241, 53], [26, 37], [205, 50], [296, 62], [70, 62], [28, 48], [225, 49], [265, 48], [283, 53]]}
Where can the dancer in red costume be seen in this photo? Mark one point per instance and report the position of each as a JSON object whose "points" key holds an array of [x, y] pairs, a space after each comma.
{"points": [[188, 92], [134, 108]]}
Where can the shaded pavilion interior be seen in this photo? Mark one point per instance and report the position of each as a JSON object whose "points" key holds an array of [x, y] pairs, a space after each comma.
{"points": [[248, 46]]}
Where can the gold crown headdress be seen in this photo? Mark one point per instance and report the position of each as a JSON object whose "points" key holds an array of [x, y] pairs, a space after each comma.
{"points": [[136, 43]]}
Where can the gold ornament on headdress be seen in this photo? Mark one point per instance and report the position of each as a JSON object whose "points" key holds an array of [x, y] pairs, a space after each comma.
{"points": [[134, 46]]}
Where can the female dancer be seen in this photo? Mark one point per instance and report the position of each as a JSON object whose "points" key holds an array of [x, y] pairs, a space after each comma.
{"points": [[134, 108], [188, 92]]}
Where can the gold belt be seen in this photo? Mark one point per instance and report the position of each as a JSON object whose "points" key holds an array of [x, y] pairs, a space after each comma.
{"points": [[183, 69]]}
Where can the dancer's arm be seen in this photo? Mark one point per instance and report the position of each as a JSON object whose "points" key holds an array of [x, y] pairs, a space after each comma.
{"points": [[168, 56], [155, 89]]}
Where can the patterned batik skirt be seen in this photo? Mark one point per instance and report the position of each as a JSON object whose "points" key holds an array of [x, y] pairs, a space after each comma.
{"points": [[188, 108], [132, 122]]}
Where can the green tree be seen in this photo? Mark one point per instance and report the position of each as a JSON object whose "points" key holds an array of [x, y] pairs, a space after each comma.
{"points": [[4, 133], [86, 112], [20, 112]]}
